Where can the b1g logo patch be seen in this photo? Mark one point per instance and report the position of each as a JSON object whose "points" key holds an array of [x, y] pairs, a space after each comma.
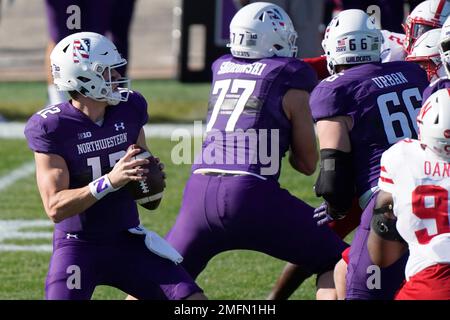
{"points": [[81, 49]]}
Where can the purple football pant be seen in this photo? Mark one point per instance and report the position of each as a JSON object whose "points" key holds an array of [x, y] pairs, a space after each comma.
{"points": [[360, 273], [121, 261], [244, 212]]}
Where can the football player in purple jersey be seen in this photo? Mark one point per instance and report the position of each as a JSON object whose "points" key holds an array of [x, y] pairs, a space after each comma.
{"points": [[107, 17], [426, 16], [83, 160], [362, 109], [258, 111]]}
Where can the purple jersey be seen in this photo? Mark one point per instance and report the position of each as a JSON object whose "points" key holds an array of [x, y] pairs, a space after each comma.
{"points": [[247, 129], [90, 151], [440, 83], [383, 101]]}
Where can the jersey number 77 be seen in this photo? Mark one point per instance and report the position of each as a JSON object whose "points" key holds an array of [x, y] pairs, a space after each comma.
{"points": [[231, 88]]}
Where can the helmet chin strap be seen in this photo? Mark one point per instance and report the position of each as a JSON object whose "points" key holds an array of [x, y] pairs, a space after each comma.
{"points": [[331, 68], [114, 98]]}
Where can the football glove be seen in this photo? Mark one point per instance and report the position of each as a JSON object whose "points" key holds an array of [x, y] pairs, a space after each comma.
{"points": [[326, 214]]}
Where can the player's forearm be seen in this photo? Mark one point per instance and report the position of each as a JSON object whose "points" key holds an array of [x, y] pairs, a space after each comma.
{"points": [[68, 203], [305, 166]]}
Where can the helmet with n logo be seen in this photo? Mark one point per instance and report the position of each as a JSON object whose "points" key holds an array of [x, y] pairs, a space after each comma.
{"points": [[434, 123], [262, 30], [83, 62]]}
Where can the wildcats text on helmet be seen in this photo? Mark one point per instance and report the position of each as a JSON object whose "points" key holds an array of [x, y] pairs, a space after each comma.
{"points": [[358, 59]]}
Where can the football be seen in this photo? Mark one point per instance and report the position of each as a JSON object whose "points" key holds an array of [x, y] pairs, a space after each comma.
{"points": [[149, 192]]}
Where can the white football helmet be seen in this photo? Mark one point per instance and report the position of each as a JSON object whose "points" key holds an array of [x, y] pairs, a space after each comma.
{"points": [[444, 46], [79, 62], [262, 30], [426, 52], [430, 14], [352, 37], [434, 123]]}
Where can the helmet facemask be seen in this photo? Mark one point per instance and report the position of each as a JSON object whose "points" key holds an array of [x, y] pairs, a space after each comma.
{"points": [[444, 50], [425, 52], [414, 28], [429, 65], [113, 90], [427, 15]]}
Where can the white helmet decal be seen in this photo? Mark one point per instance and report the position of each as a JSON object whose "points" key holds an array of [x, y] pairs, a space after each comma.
{"points": [[79, 63], [262, 30], [434, 123], [81, 49]]}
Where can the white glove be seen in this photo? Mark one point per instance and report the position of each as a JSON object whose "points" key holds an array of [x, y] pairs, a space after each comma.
{"points": [[157, 244]]}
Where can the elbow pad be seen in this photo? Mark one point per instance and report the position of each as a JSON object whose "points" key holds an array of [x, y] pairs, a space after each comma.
{"points": [[384, 226], [335, 182]]}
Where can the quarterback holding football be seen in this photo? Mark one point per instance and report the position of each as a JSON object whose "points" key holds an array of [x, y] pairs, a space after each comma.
{"points": [[86, 150]]}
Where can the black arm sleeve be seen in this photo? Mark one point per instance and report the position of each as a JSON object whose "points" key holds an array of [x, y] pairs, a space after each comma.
{"points": [[335, 182]]}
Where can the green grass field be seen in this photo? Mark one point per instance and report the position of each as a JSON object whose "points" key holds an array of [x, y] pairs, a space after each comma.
{"points": [[231, 275], [168, 100]]}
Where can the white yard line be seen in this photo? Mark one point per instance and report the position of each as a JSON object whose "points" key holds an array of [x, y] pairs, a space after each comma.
{"points": [[14, 130], [13, 230], [32, 248], [21, 172]]}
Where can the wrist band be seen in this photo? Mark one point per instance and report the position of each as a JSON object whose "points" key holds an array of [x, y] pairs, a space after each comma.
{"points": [[101, 187]]}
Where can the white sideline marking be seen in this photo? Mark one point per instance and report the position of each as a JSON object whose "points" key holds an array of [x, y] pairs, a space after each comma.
{"points": [[32, 248], [14, 130], [21, 172], [13, 229]]}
